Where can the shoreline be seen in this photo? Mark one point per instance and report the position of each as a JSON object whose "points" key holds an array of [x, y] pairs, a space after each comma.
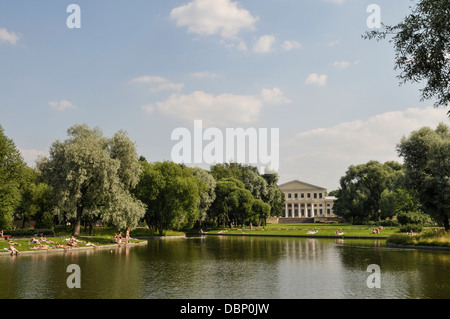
{"points": [[73, 249], [298, 236]]}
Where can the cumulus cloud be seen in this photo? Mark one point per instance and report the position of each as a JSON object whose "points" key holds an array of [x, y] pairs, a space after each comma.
{"points": [[210, 17], [324, 154], [274, 96], [218, 110], [264, 44], [8, 37], [316, 79], [290, 45], [61, 105], [158, 83]]}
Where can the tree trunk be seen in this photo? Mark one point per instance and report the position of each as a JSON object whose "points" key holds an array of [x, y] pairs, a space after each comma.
{"points": [[446, 223], [76, 228], [76, 231]]}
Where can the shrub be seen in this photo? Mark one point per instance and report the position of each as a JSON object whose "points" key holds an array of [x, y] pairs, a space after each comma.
{"points": [[389, 222], [400, 239], [28, 232], [411, 227], [417, 218]]}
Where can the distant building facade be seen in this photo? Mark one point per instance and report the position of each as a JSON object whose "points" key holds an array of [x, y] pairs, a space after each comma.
{"points": [[305, 200]]}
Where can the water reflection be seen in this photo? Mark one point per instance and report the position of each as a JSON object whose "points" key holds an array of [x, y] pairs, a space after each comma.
{"points": [[231, 268]]}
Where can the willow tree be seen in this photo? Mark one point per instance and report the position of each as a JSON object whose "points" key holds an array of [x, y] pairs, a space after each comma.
{"points": [[426, 153], [422, 48], [92, 176]]}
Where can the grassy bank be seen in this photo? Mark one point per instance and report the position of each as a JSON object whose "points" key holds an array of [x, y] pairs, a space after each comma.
{"points": [[319, 230], [101, 237], [429, 237]]}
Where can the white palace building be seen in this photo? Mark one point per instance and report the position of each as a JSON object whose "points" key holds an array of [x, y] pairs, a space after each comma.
{"points": [[307, 201]]}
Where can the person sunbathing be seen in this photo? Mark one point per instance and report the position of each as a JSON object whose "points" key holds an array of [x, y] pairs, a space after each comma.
{"points": [[34, 241], [312, 232], [45, 240], [14, 243], [90, 244], [339, 233]]}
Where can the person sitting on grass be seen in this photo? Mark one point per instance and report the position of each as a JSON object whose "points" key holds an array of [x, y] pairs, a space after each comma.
{"points": [[312, 232], [339, 233], [13, 250]]}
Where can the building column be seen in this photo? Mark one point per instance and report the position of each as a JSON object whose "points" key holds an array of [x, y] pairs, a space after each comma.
{"points": [[312, 209], [299, 210], [286, 211]]}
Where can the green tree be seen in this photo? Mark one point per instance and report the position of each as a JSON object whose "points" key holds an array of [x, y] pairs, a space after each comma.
{"points": [[36, 201], [426, 154], [422, 48], [261, 210], [207, 191], [171, 193], [361, 188], [12, 168], [91, 178]]}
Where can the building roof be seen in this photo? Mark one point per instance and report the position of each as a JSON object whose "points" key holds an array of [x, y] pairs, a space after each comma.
{"points": [[298, 185]]}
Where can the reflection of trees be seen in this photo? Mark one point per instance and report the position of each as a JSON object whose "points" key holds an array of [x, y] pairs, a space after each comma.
{"points": [[104, 274], [404, 273]]}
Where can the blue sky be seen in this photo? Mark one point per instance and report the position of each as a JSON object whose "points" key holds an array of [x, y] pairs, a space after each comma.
{"points": [[149, 67]]}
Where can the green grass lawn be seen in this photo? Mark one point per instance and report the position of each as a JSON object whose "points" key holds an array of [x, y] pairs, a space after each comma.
{"points": [[303, 229]]}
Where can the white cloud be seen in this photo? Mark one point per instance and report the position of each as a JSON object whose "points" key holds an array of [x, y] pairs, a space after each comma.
{"points": [[218, 110], [213, 110], [204, 75], [323, 155], [8, 37], [290, 45], [341, 64], [158, 83], [210, 17], [264, 44], [61, 105], [316, 79], [274, 96]]}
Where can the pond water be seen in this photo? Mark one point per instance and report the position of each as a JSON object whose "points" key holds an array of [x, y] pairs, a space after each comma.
{"points": [[231, 268]]}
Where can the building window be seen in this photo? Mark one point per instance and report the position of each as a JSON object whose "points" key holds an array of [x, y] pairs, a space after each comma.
{"points": [[289, 195], [315, 195], [302, 195], [295, 195], [321, 211], [328, 211], [320, 195], [309, 195]]}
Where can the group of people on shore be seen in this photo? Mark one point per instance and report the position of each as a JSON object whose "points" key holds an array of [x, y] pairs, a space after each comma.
{"points": [[45, 244], [118, 238], [376, 231]]}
